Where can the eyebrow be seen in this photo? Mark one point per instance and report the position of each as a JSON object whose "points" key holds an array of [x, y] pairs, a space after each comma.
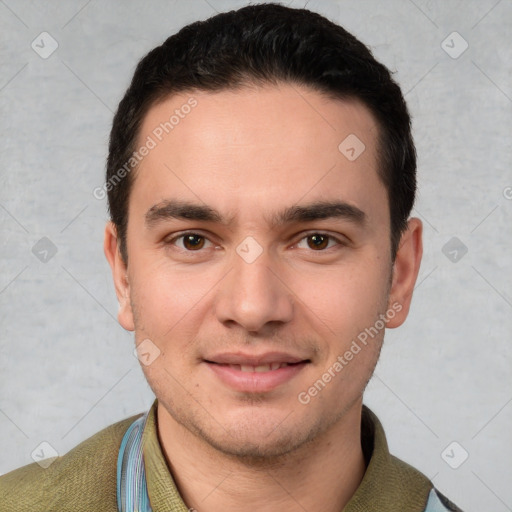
{"points": [[319, 210]]}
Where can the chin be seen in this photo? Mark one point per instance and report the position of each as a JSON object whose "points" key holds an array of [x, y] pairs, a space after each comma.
{"points": [[258, 448], [259, 437]]}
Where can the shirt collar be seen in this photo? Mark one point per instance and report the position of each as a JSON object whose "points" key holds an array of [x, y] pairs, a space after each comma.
{"points": [[388, 483], [163, 493]]}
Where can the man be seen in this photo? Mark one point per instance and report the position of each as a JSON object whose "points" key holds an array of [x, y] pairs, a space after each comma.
{"points": [[260, 177]]}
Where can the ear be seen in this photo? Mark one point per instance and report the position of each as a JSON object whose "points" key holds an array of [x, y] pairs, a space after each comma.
{"points": [[120, 276], [405, 271]]}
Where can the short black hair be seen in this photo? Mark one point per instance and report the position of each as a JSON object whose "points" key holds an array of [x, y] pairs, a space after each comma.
{"points": [[267, 44]]}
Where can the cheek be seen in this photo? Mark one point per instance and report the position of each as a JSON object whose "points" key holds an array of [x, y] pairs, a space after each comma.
{"points": [[165, 299], [345, 296]]}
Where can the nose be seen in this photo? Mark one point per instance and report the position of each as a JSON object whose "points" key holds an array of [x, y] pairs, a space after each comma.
{"points": [[254, 295]]}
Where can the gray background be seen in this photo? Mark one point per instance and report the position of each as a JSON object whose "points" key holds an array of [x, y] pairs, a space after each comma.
{"points": [[67, 368]]}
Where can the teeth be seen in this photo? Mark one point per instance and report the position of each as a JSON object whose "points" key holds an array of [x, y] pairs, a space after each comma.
{"points": [[260, 369]]}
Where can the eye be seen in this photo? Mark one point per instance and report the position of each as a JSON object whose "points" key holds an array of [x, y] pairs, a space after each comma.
{"points": [[191, 242], [194, 242], [319, 241]]}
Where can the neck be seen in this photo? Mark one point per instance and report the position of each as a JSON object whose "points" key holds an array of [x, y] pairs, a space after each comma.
{"points": [[321, 475]]}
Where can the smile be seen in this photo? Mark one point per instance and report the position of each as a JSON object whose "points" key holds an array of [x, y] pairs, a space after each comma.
{"points": [[260, 369], [256, 378]]}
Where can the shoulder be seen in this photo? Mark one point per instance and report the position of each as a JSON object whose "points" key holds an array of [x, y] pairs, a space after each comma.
{"points": [[400, 486], [83, 479], [411, 478], [416, 483]]}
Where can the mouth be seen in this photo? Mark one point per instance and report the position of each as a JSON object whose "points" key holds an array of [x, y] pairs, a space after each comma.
{"points": [[256, 374], [261, 368]]}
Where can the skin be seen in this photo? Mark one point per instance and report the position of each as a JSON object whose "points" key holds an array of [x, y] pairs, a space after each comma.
{"points": [[249, 154]]}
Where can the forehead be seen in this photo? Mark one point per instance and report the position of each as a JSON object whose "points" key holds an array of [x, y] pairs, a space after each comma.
{"points": [[257, 113], [257, 144]]}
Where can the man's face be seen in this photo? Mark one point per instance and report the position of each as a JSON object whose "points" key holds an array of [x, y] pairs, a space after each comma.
{"points": [[254, 287]]}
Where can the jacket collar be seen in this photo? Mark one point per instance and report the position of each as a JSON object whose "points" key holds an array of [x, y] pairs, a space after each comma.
{"points": [[389, 484]]}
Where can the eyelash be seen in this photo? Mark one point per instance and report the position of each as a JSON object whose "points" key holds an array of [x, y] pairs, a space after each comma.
{"points": [[311, 233]]}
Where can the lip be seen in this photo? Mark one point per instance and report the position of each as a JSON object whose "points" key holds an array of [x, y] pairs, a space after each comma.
{"points": [[224, 368], [254, 359]]}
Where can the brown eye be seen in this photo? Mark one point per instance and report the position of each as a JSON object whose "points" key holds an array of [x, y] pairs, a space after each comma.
{"points": [[193, 241], [189, 242], [318, 241]]}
